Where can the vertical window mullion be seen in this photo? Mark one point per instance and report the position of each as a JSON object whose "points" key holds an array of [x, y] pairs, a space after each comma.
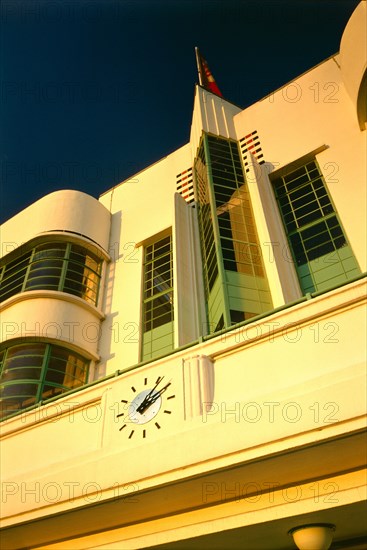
{"points": [[42, 378], [99, 276], [234, 168], [28, 269], [4, 361], [65, 264]]}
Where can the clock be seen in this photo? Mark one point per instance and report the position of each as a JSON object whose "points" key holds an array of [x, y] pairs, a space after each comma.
{"points": [[146, 408]]}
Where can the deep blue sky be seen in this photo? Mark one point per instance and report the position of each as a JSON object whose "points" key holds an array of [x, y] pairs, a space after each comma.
{"points": [[93, 91]]}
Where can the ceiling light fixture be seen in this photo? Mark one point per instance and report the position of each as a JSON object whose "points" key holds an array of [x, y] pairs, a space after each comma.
{"points": [[314, 536]]}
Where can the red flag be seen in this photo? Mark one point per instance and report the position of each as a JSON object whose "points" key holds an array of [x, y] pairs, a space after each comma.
{"points": [[205, 76]]}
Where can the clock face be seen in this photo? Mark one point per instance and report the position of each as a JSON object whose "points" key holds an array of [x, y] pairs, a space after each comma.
{"points": [[146, 408]]}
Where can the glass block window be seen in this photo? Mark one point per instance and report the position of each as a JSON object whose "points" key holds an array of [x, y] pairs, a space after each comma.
{"points": [[33, 371], [61, 266], [158, 298], [319, 246]]}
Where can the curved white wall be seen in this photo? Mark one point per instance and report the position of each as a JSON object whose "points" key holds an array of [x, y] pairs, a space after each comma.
{"points": [[64, 210], [52, 316], [353, 52]]}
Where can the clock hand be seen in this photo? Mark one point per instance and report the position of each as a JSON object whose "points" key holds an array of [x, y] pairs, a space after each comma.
{"points": [[146, 401], [153, 389], [151, 398], [145, 404], [164, 388]]}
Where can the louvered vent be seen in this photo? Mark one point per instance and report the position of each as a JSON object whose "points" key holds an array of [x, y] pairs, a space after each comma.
{"points": [[251, 144], [184, 185]]}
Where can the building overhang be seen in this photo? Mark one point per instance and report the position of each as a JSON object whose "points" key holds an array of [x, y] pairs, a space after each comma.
{"points": [[244, 505]]}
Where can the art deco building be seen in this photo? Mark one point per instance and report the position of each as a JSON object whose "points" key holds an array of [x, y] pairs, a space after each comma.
{"points": [[183, 360]]}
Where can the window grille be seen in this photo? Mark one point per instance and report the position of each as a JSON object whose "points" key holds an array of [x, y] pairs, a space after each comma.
{"points": [[62, 266], [321, 253], [185, 186], [34, 371], [158, 298], [250, 144]]}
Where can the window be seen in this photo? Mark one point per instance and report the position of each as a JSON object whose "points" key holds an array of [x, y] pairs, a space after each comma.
{"points": [[233, 269], [205, 222], [158, 299], [321, 253], [35, 371], [66, 267]]}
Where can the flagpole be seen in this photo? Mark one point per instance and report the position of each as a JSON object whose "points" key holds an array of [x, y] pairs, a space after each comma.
{"points": [[198, 65]]}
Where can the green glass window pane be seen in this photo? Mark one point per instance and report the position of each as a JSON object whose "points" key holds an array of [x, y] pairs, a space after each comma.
{"points": [[11, 404], [314, 230], [26, 349], [295, 183], [318, 232], [18, 390], [226, 232], [8, 292], [327, 210], [322, 195], [298, 249], [47, 262], [56, 249], [158, 282], [300, 192], [55, 376], [44, 273], [340, 242], [17, 361], [308, 218], [306, 199], [319, 185], [21, 373], [50, 391], [13, 276], [237, 316], [17, 264], [294, 174], [42, 268], [320, 250], [43, 283], [42, 363], [15, 397], [57, 363]]}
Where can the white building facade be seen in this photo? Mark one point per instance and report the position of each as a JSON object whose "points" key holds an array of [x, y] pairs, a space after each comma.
{"points": [[183, 360]]}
